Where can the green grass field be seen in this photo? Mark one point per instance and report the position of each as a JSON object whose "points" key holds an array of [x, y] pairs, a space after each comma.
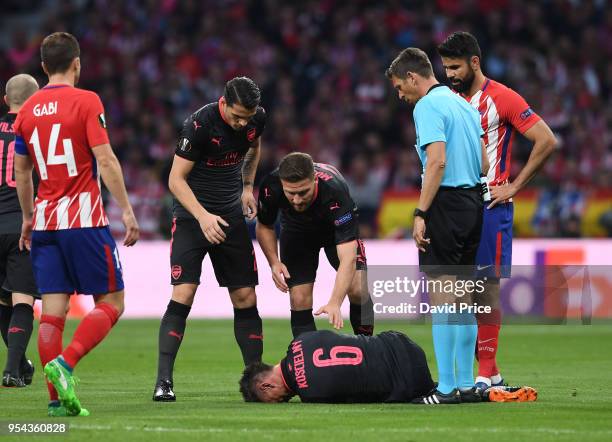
{"points": [[571, 366]]}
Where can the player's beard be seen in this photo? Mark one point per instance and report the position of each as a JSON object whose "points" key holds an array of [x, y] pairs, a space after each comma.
{"points": [[462, 86]]}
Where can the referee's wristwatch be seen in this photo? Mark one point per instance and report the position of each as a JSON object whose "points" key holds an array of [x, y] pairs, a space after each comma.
{"points": [[419, 212]]}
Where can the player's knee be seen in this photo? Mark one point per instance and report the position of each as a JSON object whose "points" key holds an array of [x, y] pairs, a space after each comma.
{"points": [[358, 296], [243, 297], [301, 301], [184, 293], [114, 299]]}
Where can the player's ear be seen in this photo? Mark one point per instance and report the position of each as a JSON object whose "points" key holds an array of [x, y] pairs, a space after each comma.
{"points": [[475, 62], [6, 101], [265, 386], [44, 68], [77, 63]]}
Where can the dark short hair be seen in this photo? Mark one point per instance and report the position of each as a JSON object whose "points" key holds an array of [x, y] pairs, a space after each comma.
{"points": [[58, 50], [242, 90], [248, 381], [410, 60], [295, 167], [460, 44]]}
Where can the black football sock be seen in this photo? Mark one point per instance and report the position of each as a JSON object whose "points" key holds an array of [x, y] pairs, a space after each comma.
{"points": [[302, 321], [171, 331], [6, 311], [19, 332], [248, 333], [362, 318]]}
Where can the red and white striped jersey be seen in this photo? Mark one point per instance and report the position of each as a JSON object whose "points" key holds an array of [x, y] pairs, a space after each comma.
{"points": [[58, 126], [501, 111]]}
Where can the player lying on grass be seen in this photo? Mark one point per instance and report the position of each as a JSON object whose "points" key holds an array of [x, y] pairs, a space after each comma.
{"points": [[323, 366]]}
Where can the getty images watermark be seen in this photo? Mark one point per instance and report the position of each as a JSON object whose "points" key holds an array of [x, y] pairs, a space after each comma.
{"points": [[546, 294], [405, 286]]}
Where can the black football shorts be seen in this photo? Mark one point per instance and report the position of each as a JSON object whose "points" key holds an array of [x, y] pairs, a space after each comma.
{"points": [[299, 251], [233, 260], [15, 268]]}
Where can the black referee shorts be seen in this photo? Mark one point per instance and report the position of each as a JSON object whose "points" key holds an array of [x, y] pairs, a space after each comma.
{"points": [[454, 225]]}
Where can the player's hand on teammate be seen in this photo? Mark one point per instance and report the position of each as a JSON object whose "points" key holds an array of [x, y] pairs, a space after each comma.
{"points": [[132, 231], [25, 241], [211, 227], [499, 194], [280, 274], [333, 312], [418, 233], [249, 204]]}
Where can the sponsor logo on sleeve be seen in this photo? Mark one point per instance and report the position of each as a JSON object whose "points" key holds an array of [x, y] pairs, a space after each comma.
{"points": [[184, 145], [251, 134], [343, 219], [102, 121], [528, 113]]}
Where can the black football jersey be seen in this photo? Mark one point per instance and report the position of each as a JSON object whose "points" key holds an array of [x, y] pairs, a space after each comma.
{"points": [[218, 152], [333, 211], [10, 211], [324, 366]]}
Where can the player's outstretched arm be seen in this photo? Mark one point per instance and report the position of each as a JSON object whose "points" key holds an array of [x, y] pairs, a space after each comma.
{"points": [[249, 170], [266, 237], [177, 182], [110, 171], [544, 145], [347, 256], [25, 193]]}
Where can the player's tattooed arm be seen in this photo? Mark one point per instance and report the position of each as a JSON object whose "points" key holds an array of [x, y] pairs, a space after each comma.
{"points": [[249, 169], [251, 160]]}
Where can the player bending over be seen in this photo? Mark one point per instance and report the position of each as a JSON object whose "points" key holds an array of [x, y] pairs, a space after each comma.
{"points": [[317, 212]]}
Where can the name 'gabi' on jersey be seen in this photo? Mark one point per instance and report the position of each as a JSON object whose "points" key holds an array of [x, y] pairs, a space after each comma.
{"points": [[57, 127]]}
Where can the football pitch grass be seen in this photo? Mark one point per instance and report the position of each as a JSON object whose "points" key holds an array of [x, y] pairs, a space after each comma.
{"points": [[570, 365]]}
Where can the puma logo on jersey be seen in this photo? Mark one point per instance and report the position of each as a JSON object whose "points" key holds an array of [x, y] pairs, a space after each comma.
{"points": [[45, 109], [216, 141], [196, 126], [334, 206]]}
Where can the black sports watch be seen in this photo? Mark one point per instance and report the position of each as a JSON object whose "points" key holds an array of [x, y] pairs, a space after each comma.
{"points": [[419, 212]]}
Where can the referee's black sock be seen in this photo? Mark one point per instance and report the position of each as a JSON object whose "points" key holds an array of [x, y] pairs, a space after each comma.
{"points": [[6, 311], [302, 321], [171, 331], [362, 318], [248, 333], [19, 332]]}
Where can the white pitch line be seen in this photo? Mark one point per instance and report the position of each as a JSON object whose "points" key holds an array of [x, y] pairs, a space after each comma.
{"points": [[361, 430]]}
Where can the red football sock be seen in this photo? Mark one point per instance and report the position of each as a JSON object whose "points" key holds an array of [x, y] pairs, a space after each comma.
{"points": [[90, 332], [488, 334], [50, 343]]}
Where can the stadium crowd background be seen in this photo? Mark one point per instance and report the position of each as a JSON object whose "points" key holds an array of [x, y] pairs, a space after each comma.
{"points": [[320, 65]]}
